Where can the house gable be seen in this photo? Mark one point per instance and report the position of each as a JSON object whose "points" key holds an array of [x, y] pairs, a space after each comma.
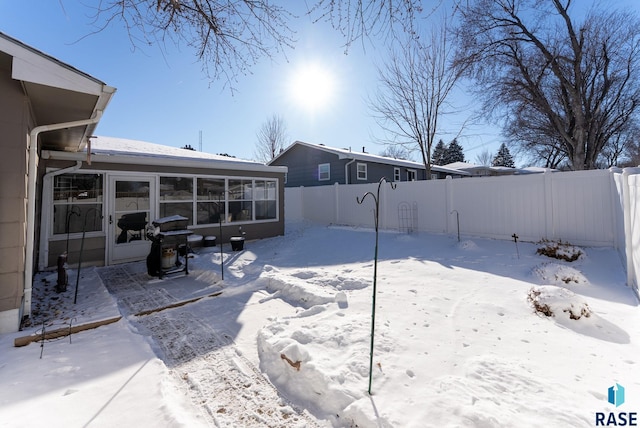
{"points": [[303, 162]]}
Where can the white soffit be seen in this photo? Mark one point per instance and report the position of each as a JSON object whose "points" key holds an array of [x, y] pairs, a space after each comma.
{"points": [[33, 66]]}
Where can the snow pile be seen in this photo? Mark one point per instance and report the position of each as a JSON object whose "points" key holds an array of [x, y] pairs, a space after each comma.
{"points": [[559, 274], [553, 301], [571, 311], [320, 363], [560, 250], [468, 245]]}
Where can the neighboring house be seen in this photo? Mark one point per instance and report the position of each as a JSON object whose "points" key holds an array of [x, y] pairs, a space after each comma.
{"points": [[491, 171], [317, 165], [57, 184]]}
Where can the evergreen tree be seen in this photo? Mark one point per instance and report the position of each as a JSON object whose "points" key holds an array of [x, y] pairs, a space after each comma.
{"points": [[438, 156], [503, 157], [453, 153]]}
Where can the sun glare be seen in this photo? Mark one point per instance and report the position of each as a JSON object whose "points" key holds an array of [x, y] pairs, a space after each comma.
{"points": [[312, 87]]}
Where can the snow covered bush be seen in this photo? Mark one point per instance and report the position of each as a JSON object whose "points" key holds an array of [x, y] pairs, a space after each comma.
{"points": [[559, 274], [552, 301], [559, 250]]}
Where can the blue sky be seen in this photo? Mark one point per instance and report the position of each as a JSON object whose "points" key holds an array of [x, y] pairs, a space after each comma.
{"points": [[164, 97]]}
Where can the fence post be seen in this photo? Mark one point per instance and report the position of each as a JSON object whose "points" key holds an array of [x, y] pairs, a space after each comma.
{"points": [[630, 208], [548, 205], [448, 205], [336, 199], [302, 204], [615, 202]]}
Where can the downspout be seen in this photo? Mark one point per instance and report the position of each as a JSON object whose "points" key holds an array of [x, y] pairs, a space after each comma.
{"points": [[44, 236], [346, 170], [31, 201]]}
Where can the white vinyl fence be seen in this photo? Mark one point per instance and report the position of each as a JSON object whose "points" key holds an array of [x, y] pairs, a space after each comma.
{"points": [[591, 208]]}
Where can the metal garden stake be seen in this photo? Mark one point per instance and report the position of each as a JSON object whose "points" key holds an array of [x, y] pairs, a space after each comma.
{"points": [[457, 222], [376, 199], [515, 239], [84, 228]]}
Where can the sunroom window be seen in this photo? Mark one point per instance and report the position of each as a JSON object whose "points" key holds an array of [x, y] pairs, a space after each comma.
{"points": [[176, 197], [265, 196], [77, 203], [240, 200], [211, 200]]}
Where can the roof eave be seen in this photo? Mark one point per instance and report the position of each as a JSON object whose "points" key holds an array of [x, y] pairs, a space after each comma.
{"points": [[163, 161]]}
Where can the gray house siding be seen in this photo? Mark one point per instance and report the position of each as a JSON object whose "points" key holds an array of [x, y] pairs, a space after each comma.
{"points": [[375, 171], [303, 167], [303, 164], [303, 159]]}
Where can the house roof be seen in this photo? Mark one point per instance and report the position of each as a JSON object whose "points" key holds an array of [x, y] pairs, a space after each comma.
{"points": [[57, 93], [367, 157], [132, 152], [498, 170]]}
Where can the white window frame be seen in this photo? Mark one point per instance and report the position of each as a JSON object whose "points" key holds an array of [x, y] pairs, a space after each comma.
{"points": [[412, 175], [324, 172], [359, 171], [53, 202], [396, 174]]}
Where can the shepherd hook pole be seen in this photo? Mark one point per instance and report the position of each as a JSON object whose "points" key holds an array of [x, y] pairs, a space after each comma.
{"points": [[84, 228], [376, 213], [457, 222]]}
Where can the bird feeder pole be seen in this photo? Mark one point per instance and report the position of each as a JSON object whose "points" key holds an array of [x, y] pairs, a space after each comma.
{"points": [[376, 214]]}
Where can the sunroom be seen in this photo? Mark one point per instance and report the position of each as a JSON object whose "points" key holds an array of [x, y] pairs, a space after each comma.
{"points": [[102, 200]]}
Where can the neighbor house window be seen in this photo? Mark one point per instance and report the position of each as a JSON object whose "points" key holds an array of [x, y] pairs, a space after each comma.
{"points": [[240, 200], [77, 203], [324, 172], [211, 199], [434, 176], [362, 171], [396, 174], [411, 175], [176, 197]]}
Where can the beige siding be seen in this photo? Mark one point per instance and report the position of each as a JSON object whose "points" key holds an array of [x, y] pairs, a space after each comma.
{"points": [[14, 127]]}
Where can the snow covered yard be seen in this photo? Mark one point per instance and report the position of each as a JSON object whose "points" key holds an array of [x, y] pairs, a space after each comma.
{"points": [[457, 339]]}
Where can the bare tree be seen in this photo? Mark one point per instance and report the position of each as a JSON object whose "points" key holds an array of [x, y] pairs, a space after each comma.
{"points": [[622, 150], [356, 19], [632, 152], [414, 86], [396, 151], [484, 158], [575, 85], [230, 36], [272, 139]]}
